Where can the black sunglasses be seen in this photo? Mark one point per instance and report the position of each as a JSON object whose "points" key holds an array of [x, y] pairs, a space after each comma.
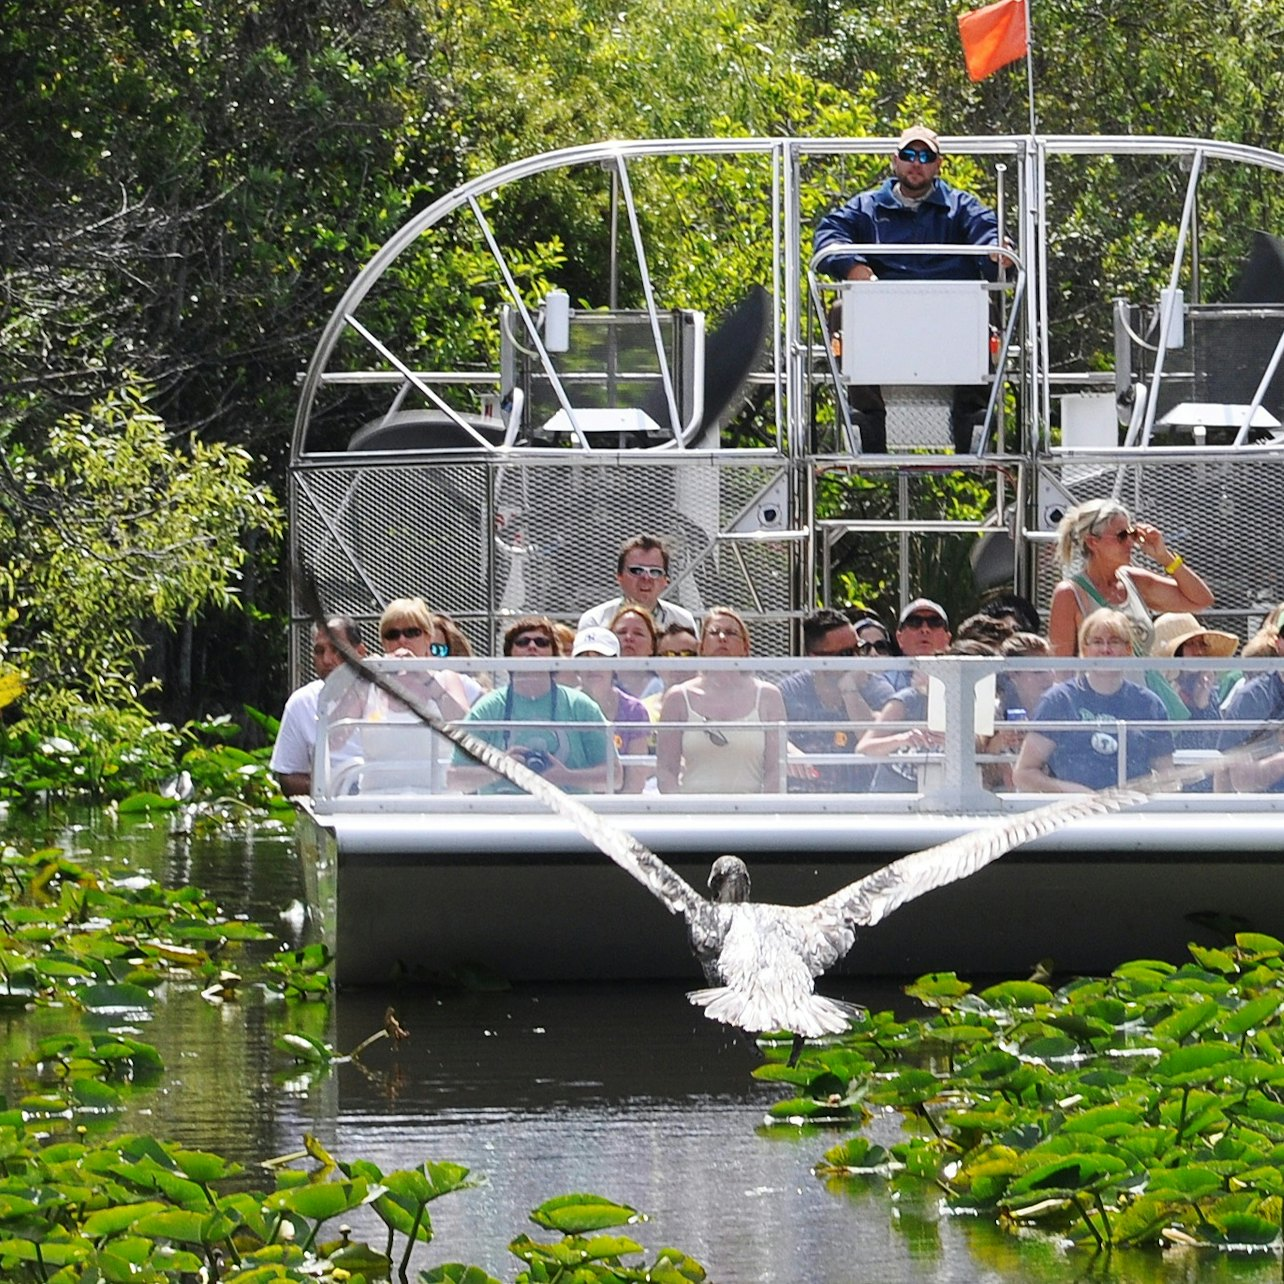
{"points": [[922, 622], [881, 647], [391, 635], [843, 653], [538, 640], [716, 736], [924, 155]]}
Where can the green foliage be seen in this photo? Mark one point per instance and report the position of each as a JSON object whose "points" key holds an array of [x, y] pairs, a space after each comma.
{"points": [[185, 189], [97, 753], [1116, 1112], [113, 526], [301, 974], [140, 1208]]}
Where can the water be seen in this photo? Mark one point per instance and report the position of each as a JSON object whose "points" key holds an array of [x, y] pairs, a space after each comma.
{"points": [[626, 1092]]}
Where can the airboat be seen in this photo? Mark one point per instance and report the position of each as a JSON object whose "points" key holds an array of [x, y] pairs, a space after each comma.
{"points": [[492, 408]]}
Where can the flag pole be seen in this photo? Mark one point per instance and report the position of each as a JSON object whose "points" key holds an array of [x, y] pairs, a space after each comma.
{"points": [[1029, 67]]}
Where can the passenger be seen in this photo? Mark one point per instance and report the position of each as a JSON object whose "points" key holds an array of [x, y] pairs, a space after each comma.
{"points": [[634, 626], [1022, 613], [642, 572], [1095, 541], [1261, 646], [1180, 635], [872, 640], [1017, 695], [449, 639], [1020, 690], [675, 642], [406, 630], [530, 706], [1079, 761], [565, 637], [831, 697], [296, 737], [922, 629], [1258, 699], [914, 206], [630, 721], [696, 752], [992, 630], [399, 752]]}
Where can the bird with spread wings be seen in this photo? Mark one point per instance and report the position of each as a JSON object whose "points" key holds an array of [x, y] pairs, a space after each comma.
{"points": [[762, 960]]}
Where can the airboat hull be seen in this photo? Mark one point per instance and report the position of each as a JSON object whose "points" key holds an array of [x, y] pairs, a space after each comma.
{"points": [[520, 898]]}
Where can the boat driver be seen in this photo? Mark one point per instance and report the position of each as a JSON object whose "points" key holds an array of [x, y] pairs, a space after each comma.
{"points": [[914, 206]]}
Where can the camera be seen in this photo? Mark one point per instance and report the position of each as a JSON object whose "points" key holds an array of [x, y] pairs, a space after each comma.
{"points": [[537, 761]]}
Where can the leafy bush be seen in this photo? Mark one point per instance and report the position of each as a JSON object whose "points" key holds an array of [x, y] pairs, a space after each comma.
{"points": [[1123, 1111]]}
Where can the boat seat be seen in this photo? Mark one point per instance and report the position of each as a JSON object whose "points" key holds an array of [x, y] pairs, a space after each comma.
{"points": [[425, 430]]}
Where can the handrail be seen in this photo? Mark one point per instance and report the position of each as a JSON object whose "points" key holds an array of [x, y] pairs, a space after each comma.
{"points": [[952, 784]]}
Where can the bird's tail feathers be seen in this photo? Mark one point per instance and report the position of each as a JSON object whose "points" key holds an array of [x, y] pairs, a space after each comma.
{"points": [[812, 1016]]}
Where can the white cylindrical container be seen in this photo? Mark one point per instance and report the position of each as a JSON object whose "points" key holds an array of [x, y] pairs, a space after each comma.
{"points": [[557, 321]]}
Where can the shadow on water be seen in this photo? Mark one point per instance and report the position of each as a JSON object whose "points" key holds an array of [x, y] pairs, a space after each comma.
{"points": [[625, 1091]]}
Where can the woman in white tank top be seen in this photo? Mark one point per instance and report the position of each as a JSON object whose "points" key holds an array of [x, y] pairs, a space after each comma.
{"points": [[1095, 543], [720, 732]]}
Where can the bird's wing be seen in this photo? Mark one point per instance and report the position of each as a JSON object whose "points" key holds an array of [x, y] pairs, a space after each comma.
{"points": [[669, 887], [871, 899]]}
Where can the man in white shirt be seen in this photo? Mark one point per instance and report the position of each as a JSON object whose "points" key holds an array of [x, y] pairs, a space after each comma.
{"points": [[296, 737], [642, 572]]}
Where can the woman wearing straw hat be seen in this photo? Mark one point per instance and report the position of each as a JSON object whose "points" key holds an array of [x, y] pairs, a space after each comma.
{"points": [[1179, 635]]}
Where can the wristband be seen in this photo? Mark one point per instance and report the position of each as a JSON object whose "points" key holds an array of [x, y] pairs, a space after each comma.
{"points": [[1177, 561]]}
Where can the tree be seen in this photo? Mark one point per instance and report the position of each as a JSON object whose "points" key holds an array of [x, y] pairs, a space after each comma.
{"points": [[117, 526]]}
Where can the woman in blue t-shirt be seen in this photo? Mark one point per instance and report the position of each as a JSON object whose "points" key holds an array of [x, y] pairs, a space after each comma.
{"points": [[1107, 705]]}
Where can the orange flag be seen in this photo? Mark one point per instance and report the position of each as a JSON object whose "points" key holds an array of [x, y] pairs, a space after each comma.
{"points": [[993, 36]]}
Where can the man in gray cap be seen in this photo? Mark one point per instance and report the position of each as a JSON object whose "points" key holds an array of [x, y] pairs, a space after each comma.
{"points": [[915, 206], [922, 628]]}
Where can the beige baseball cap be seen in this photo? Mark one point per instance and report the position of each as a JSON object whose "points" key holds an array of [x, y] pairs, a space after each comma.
{"points": [[919, 134]]}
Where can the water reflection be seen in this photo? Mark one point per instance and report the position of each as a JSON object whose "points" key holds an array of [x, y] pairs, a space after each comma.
{"points": [[625, 1091]]}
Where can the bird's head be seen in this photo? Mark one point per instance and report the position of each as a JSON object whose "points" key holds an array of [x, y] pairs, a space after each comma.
{"points": [[729, 880]]}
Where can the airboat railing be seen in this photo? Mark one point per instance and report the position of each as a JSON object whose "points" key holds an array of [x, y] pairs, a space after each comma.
{"points": [[965, 744]]}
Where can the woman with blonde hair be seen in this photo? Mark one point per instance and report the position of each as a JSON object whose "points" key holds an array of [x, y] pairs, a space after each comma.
{"points": [[399, 752], [720, 731], [406, 631], [1106, 711], [1095, 543]]}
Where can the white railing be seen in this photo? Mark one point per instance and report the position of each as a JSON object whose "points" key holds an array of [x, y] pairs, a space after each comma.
{"points": [[961, 762]]}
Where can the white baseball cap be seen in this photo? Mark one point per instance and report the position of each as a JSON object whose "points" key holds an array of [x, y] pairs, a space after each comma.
{"points": [[596, 639]]}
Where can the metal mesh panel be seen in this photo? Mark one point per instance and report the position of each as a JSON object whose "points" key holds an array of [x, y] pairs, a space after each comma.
{"points": [[1232, 350], [480, 540], [374, 532], [1218, 536]]}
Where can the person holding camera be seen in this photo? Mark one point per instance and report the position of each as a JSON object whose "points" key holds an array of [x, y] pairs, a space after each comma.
{"points": [[557, 731]]}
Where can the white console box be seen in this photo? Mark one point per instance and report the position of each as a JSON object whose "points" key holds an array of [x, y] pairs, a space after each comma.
{"points": [[907, 332]]}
